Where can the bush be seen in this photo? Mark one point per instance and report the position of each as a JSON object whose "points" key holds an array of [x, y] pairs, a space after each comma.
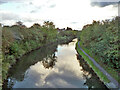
{"points": [[101, 38]]}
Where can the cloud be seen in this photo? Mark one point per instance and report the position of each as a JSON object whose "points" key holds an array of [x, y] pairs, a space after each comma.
{"points": [[74, 22], [30, 3], [103, 3], [1, 2], [6, 1], [62, 14], [52, 6], [9, 16], [36, 9], [30, 19], [33, 11]]}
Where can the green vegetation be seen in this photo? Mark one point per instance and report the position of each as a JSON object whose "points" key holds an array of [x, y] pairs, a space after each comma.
{"points": [[17, 40], [100, 40], [110, 70], [0, 70], [0, 57], [90, 63]]}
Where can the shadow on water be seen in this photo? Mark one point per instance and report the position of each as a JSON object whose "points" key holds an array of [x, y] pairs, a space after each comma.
{"points": [[92, 81]]}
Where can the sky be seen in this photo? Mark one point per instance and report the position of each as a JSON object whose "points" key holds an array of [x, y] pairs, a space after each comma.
{"points": [[64, 13]]}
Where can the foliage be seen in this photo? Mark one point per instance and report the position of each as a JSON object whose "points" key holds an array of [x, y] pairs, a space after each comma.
{"points": [[101, 39], [90, 63], [19, 40]]}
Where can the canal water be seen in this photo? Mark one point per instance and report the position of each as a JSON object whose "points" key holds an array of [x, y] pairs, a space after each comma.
{"points": [[53, 66]]}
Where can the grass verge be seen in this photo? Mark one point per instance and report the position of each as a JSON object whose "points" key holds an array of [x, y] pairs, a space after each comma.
{"points": [[96, 70], [111, 71]]}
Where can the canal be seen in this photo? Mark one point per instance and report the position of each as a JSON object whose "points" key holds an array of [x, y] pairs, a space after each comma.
{"points": [[53, 66]]}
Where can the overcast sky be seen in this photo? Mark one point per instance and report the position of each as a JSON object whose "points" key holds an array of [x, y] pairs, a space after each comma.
{"points": [[64, 13]]}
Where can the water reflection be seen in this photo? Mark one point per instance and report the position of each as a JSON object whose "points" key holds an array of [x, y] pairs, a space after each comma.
{"points": [[49, 61], [52, 67], [18, 71], [92, 81]]}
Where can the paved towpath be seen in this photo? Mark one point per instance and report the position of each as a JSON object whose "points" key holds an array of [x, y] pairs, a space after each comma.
{"points": [[113, 81]]}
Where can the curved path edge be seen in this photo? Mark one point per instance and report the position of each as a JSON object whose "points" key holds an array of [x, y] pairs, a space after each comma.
{"points": [[113, 83]]}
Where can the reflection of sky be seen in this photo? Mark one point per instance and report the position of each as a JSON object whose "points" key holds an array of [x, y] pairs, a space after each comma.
{"points": [[66, 72]]}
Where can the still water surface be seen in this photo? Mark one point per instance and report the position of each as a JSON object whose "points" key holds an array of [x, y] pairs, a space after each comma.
{"points": [[53, 66]]}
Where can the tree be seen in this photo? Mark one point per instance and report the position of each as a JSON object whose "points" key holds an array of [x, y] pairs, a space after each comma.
{"points": [[19, 23], [49, 24], [68, 28], [36, 25]]}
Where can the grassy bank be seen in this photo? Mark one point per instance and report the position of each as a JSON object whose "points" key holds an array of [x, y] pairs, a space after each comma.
{"points": [[101, 41], [110, 70], [90, 63]]}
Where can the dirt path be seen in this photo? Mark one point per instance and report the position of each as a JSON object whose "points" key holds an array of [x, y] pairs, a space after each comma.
{"points": [[113, 82]]}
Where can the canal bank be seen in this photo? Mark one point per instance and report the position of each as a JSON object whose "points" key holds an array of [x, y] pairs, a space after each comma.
{"points": [[108, 80]]}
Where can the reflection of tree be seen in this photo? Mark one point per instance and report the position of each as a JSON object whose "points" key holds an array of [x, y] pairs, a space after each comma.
{"points": [[92, 81], [49, 61], [65, 42], [84, 65], [18, 71]]}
